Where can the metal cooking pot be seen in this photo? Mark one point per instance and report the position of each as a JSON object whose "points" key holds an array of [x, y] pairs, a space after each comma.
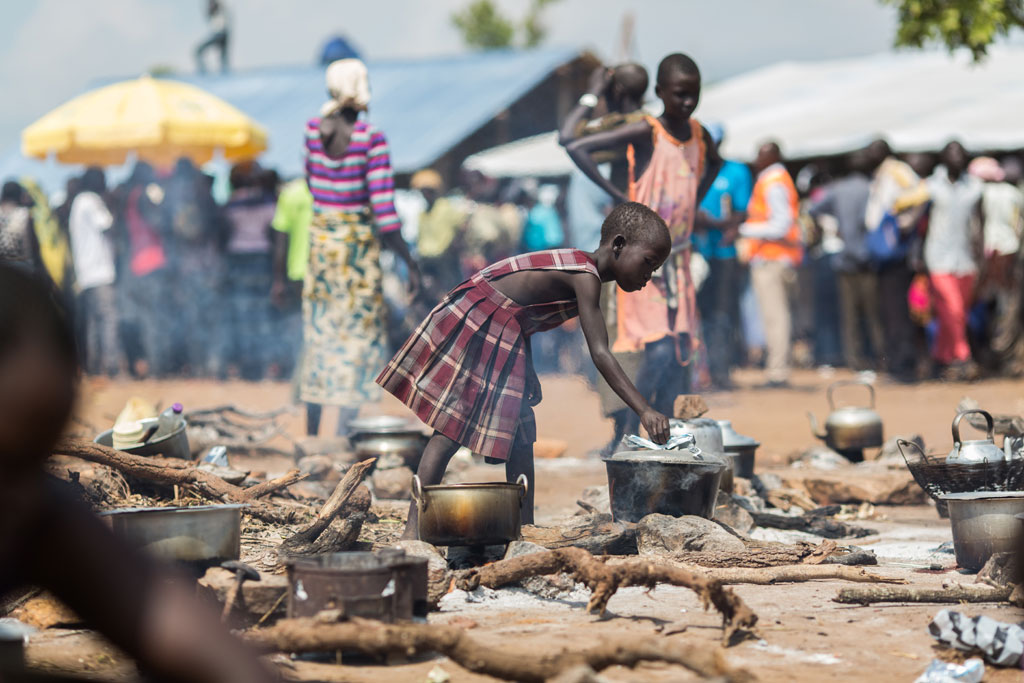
{"points": [[707, 436], [393, 440], [676, 483], [981, 450], [203, 535], [470, 514], [983, 524], [743, 447], [850, 428], [174, 445]]}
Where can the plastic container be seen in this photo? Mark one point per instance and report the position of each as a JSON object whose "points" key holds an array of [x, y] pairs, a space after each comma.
{"points": [[169, 421]]}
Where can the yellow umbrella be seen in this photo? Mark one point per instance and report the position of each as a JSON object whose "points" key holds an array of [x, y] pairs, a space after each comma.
{"points": [[157, 120]]}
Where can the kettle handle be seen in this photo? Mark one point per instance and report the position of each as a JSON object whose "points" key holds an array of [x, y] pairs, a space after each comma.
{"points": [[525, 483], [988, 420], [849, 383], [900, 443], [417, 491], [814, 427]]}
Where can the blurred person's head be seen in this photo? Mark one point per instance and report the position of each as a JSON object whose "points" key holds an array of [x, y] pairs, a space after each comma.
{"points": [[93, 180], [860, 161], [767, 154], [878, 151], [37, 371], [348, 86], [242, 175], [12, 192], [629, 83], [987, 169], [184, 169], [639, 242], [954, 157], [678, 85], [269, 181], [142, 174], [922, 163], [1013, 170], [429, 184]]}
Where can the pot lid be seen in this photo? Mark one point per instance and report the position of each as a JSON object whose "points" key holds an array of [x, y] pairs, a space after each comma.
{"points": [[382, 424], [732, 438], [982, 495], [674, 457]]}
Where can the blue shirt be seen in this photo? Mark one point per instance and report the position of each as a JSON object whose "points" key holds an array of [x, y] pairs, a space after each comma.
{"points": [[730, 192], [586, 205]]}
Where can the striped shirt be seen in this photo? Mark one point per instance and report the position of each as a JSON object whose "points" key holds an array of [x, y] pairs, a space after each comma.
{"points": [[361, 178]]}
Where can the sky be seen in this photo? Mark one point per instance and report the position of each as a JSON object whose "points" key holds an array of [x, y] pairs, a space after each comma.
{"points": [[51, 50]]}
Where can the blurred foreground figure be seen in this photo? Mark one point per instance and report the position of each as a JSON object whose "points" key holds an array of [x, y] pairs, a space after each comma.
{"points": [[50, 540]]}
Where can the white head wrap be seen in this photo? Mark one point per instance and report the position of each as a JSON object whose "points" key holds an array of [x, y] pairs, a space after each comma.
{"points": [[349, 86]]}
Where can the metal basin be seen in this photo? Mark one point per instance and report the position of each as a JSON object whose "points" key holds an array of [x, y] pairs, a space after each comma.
{"points": [[394, 440], [203, 535], [983, 524], [174, 445], [470, 514], [645, 482]]}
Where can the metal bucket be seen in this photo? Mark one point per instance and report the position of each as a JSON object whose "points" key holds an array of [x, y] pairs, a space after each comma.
{"points": [[983, 524], [200, 536]]}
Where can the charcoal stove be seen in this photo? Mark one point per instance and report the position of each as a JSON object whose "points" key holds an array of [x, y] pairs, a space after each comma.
{"points": [[386, 585]]}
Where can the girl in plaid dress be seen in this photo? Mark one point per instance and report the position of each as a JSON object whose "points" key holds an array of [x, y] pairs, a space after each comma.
{"points": [[466, 371]]}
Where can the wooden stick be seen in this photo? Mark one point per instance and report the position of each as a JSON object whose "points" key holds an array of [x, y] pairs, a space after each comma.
{"points": [[796, 574], [604, 580], [268, 487], [342, 492], [507, 662], [948, 594]]}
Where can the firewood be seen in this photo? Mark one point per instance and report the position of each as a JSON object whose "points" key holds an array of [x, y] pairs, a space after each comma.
{"points": [[268, 487], [797, 573], [508, 662], [598, 534], [956, 593], [820, 526], [305, 540], [604, 580]]}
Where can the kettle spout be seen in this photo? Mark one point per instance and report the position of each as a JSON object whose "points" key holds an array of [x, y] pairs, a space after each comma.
{"points": [[814, 426]]}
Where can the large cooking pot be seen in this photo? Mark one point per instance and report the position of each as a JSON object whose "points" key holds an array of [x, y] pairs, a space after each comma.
{"points": [[743, 447], [174, 445], [980, 450], [850, 428], [394, 441], [676, 483], [707, 436], [205, 535], [469, 514], [983, 524]]}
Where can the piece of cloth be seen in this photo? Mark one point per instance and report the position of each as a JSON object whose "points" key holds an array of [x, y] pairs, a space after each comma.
{"points": [[54, 249], [859, 315], [950, 296], [895, 188], [146, 246], [846, 199], [293, 216], [343, 312], [348, 84], [947, 246], [92, 249], [438, 227], [729, 193], [719, 303], [773, 282], [660, 378], [361, 177], [144, 300], [1002, 205], [543, 228], [587, 205], [466, 371], [15, 238], [772, 229], [251, 339], [894, 312], [98, 321], [249, 214], [668, 305]]}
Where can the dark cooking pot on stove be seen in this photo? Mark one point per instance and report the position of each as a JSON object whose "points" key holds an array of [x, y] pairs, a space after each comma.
{"points": [[674, 483], [469, 514]]}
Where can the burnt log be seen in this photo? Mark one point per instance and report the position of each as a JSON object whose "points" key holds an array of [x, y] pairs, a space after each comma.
{"points": [[597, 534], [812, 524]]}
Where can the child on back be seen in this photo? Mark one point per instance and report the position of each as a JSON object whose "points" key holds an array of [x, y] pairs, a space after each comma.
{"points": [[466, 371]]}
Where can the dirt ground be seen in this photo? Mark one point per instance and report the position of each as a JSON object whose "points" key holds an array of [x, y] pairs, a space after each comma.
{"points": [[804, 635]]}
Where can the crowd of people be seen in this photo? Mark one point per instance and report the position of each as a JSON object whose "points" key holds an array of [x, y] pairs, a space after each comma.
{"points": [[904, 264]]}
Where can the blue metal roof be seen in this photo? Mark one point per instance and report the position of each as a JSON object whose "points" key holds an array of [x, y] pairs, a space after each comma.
{"points": [[424, 106]]}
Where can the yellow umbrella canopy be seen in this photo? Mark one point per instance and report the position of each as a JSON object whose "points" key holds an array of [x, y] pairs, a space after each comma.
{"points": [[158, 120]]}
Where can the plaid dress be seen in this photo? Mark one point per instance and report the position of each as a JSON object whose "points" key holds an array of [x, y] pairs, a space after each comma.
{"points": [[464, 370]]}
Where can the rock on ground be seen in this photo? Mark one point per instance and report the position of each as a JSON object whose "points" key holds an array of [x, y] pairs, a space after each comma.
{"points": [[438, 576], [543, 586], [729, 512], [597, 498], [660, 534], [392, 484]]}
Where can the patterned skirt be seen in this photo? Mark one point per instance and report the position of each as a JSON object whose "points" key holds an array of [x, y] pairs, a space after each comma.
{"points": [[466, 372], [343, 314]]}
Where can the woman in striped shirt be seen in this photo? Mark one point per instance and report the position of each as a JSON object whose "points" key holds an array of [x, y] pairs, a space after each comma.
{"points": [[349, 174]]}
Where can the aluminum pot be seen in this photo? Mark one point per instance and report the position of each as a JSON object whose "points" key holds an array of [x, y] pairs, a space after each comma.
{"points": [[203, 535], [743, 447], [673, 483], [470, 514], [983, 524], [707, 436], [850, 428], [392, 440], [174, 445]]}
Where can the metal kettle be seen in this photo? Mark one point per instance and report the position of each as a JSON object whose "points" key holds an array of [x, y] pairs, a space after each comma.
{"points": [[850, 428], [980, 450]]}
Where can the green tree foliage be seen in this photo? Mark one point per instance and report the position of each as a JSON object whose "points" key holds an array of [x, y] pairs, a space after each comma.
{"points": [[484, 27], [973, 24]]}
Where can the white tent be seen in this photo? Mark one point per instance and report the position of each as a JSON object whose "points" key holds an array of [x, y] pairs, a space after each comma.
{"points": [[916, 100]]}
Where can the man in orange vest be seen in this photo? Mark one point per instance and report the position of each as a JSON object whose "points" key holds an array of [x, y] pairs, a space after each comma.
{"points": [[772, 245]]}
